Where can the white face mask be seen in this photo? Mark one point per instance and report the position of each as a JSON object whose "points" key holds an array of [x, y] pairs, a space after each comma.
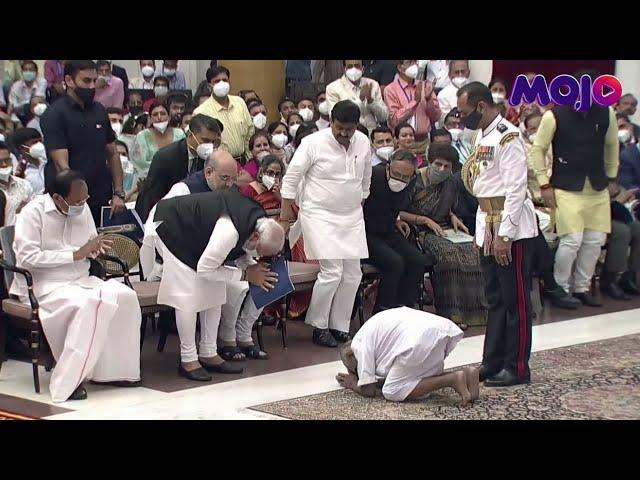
{"points": [[532, 137], [5, 173], [260, 121], [221, 89], [624, 135], [455, 133], [105, 78], [293, 129], [2, 139], [467, 135], [397, 185], [160, 91], [279, 140], [460, 81], [262, 154], [498, 97], [29, 76], [385, 152], [161, 126], [412, 71], [39, 109], [127, 166], [204, 150], [306, 113], [422, 64], [268, 181], [354, 74], [74, 210], [116, 127], [169, 72], [323, 108], [147, 71], [38, 151]]}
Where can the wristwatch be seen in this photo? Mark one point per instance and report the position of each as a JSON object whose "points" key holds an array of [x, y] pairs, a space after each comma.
{"points": [[119, 194]]}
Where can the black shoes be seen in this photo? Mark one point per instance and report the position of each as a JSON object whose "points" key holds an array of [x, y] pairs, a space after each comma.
{"points": [[323, 337], [80, 393], [119, 383], [612, 290], [587, 299], [339, 336], [198, 375], [224, 367], [505, 378], [561, 299], [628, 283]]}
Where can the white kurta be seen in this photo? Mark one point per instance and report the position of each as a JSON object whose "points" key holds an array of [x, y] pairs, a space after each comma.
{"points": [[189, 290], [92, 326], [335, 183], [403, 346]]}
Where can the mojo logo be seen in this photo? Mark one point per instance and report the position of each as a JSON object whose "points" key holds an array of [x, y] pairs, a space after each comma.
{"points": [[567, 90]]}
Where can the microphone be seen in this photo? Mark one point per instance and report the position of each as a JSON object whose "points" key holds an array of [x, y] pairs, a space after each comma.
{"points": [[128, 227]]}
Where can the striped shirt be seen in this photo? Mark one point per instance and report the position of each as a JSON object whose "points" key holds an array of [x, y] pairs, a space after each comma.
{"points": [[237, 122]]}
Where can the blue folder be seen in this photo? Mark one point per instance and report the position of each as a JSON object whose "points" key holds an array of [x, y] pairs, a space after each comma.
{"points": [[283, 286], [123, 218]]}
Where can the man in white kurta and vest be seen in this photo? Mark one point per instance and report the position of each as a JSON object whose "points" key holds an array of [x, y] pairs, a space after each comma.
{"points": [[585, 162], [208, 242], [496, 174], [92, 326], [220, 173], [402, 351], [333, 168]]}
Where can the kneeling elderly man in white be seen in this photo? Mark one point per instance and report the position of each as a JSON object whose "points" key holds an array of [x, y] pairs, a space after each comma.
{"points": [[208, 241], [92, 326], [403, 350]]}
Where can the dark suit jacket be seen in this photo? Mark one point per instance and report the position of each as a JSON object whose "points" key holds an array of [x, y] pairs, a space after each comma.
{"points": [[629, 175], [169, 166]]}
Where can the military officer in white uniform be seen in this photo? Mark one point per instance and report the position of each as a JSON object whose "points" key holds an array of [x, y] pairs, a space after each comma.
{"points": [[496, 174]]}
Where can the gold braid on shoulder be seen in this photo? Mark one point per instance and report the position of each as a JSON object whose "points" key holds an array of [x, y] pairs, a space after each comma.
{"points": [[470, 169]]}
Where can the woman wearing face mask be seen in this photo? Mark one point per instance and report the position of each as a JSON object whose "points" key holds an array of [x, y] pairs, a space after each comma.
{"points": [[37, 108], [266, 191], [500, 94], [457, 273], [131, 127], [404, 137], [279, 140], [294, 120], [127, 170], [152, 139], [260, 148]]}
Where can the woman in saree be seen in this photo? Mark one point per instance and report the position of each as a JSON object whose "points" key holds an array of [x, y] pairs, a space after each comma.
{"points": [[457, 277]]}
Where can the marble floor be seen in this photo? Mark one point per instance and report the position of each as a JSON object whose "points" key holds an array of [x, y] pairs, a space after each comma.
{"points": [[231, 399]]}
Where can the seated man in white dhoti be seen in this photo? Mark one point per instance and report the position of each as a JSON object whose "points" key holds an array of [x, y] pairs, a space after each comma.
{"points": [[92, 326], [208, 241], [403, 350]]}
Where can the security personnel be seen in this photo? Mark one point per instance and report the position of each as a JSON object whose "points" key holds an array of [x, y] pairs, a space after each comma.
{"points": [[585, 163], [496, 174]]}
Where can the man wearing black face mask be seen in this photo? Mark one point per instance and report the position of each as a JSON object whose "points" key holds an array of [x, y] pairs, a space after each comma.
{"points": [[78, 135], [401, 263], [496, 174]]}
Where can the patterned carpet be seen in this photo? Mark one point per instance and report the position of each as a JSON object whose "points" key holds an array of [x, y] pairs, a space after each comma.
{"points": [[597, 380]]}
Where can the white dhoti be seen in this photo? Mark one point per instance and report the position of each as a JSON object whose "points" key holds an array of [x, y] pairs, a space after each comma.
{"points": [[93, 330]]}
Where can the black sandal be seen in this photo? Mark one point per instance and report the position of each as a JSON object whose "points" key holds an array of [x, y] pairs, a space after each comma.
{"points": [[229, 353], [253, 351]]}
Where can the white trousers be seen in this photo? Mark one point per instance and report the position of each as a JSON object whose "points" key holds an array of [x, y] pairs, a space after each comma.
{"points": [[186, 323], [583, 249], [94, 334], [333, 294]]}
